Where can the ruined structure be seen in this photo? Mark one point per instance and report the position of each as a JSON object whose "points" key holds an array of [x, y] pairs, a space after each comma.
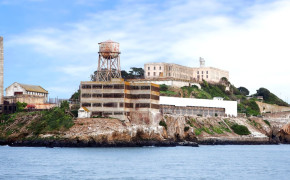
{"points": [[118, 98], [1, 69], [184, 73]]}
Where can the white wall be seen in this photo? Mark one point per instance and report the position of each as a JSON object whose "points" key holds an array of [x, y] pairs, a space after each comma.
{"points": [[230, 106], [15, 87]]}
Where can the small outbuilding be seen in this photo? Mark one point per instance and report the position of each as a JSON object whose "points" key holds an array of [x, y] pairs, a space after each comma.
{"points": [[83, 112]]}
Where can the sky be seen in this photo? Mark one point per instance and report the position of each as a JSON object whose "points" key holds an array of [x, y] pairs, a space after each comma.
{"points": [[54, 43]]}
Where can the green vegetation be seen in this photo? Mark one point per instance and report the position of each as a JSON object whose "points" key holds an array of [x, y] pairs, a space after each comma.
{"points": [[249, 107], [20, 106], [270, 98], [54, 119], [197, 131], [163, 123], [240, 129], [186, 128], [267, 122], [244, 91], [76, 95]]}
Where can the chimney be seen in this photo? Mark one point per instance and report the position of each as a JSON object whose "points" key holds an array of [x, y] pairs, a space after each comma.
{"points": [[1, 69]]}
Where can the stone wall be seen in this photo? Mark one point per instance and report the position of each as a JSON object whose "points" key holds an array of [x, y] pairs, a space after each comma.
{"points": [[264, 107]]}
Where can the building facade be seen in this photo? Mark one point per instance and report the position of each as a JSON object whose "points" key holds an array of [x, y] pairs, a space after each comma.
{"points": [[175, 71], [118, 98], [30, 94], [191, 106]]}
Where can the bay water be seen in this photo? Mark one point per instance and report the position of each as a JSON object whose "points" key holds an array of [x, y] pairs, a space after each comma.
{"points": [[204, 162]]}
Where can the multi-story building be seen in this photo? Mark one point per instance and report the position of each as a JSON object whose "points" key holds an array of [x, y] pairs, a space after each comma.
{"points": [[175, 71], [118, 98]]}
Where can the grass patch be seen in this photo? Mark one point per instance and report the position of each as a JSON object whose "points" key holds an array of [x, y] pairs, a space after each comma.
{"points": [[218, 130], [168, 93], [197, 131]]}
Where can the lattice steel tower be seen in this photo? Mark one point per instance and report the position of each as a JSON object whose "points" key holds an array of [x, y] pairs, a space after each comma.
{"points": [[109, 61]]}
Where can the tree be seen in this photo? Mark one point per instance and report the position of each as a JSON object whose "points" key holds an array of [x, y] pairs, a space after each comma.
{"points": [[244, 91], [263, 92], [75, 96], [64, 105]]}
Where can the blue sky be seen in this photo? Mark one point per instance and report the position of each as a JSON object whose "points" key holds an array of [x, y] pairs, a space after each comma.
{"points": [[54, 43]]}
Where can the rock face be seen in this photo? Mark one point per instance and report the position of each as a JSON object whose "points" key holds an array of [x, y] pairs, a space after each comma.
{"points": [[144, 130]]}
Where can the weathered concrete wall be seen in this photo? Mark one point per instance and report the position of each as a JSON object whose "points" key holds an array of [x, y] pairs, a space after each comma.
{"points": [[264, 107], [1, 69]]}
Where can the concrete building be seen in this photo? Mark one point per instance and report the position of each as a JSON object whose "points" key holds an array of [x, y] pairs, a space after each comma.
{"points": [[175, 71], [204, 107], [1, 69], [30, 94], [167, 81], [118, 98]]}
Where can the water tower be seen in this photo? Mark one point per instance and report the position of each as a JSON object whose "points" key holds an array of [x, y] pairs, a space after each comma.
{"points": [[109, 61]]}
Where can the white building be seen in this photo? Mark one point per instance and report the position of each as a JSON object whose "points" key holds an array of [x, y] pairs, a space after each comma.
{"points": [[30, 94], [210, 106], [83, 112]]}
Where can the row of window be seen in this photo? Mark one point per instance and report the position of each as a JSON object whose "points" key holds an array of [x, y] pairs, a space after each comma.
{"points": [[115, 105], [202, 72], [154, 68], [154, 73], [103, 86], [120, 95], [201, 76]]}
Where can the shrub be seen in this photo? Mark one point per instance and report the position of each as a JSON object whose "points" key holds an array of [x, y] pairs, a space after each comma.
{"points": [[163, 123], [186, 128], [240, 129], [267, 122], [163, 87], [20, 106]]}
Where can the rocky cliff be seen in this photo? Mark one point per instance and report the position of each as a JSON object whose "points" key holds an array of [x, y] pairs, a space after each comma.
{"points": [[141, 130]]}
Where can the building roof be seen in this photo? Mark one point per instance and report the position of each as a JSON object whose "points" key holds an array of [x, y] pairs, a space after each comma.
{"points": [[33, 88], [86, 109]]}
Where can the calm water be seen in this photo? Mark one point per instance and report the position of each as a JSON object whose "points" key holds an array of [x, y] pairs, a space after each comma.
{"points": [[205, 162]]}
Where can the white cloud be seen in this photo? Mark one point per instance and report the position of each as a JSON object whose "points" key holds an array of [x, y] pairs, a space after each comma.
{"points": [[251, 41]]}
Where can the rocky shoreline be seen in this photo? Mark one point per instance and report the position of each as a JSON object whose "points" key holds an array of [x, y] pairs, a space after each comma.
{"points": [[76, 143], [140, 143]]}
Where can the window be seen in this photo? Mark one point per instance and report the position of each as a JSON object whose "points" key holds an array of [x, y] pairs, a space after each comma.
{"points": [[148, 68], [159, 73], [206, 76], [97, 105], [168, 74], [148, 73], [206, 72], [154, 68], [197, 72], [160, 68], [154, 74], [97, 86], [201, 72]]}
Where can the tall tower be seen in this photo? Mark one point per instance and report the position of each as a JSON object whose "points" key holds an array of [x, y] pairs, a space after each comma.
{"points": [[201, 62], [109, 61], [1, 69]]}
